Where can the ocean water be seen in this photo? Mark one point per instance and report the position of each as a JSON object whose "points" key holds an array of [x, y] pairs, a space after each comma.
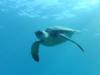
{"points": [[19, 19]]}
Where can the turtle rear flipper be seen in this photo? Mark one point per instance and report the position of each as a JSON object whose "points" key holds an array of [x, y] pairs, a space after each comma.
{"points": [[35, 51], [72, 42]]}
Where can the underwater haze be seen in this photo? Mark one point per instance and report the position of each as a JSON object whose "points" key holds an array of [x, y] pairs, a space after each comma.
{"points": [[19, 19]]}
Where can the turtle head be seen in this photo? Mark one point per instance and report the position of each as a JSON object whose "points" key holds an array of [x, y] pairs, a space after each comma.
{"points": [[41, 34]]}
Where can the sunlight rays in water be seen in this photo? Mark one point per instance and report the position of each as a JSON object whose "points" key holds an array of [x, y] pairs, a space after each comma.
{"points": [[86, 5], [36, 8]]}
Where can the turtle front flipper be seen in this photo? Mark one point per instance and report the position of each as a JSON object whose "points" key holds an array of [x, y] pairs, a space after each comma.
{"points": [[72, 42], [35, 51]]}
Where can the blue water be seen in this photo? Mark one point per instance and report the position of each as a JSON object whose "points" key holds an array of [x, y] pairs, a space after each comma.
{"points": [[19, 19]]}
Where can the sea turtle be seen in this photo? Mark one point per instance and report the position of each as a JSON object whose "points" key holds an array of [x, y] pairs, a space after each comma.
{"points": [[50, 37]]}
